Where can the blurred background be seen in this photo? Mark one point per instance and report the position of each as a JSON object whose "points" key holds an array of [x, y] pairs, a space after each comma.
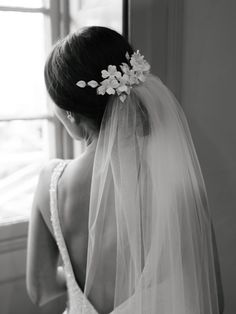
{"points": [[191, 46]]}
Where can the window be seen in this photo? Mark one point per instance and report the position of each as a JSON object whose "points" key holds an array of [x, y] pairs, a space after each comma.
{"points": [[29, 133], [109, 13]]}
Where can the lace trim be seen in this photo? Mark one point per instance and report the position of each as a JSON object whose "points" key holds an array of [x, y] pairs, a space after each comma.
{"points": [[78, 302]]}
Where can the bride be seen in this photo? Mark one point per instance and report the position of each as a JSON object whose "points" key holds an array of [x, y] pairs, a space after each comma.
{"points": [[129, 218]]}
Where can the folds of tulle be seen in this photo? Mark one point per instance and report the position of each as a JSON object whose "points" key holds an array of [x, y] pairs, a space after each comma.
{"points": [[148, 193]]}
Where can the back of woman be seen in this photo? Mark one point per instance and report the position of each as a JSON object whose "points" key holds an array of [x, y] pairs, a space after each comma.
{"points": [[73, 206], [130, 217]]}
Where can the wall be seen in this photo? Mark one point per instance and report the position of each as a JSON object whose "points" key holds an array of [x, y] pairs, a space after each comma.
{"points": [[156, 29], [148, 32], [208, 98], [206, 77]]}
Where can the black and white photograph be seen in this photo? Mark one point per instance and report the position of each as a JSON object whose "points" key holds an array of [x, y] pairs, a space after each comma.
{"points": [[117, 157]]}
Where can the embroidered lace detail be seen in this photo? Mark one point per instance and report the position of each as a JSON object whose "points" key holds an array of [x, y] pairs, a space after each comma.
{"points": [[78, 302]]}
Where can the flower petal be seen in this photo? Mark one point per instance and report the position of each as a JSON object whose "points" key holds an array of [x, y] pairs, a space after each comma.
{"points": [[81, 84], [114, 83], [127, 55], [110, 91], [93, 84], [101, 90], [122, 97], [112, 69], [122, 88], [118, 74], [125, 68], [105, 74]]}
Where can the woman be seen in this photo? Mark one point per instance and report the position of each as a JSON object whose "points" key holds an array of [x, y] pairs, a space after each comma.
{"points": [[130, 217]]}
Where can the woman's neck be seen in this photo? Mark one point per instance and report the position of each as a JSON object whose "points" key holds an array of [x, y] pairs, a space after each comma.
{"points": [[91, 144]]}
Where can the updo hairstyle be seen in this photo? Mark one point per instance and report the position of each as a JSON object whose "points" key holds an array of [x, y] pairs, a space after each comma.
{"points": [[82, 56]]}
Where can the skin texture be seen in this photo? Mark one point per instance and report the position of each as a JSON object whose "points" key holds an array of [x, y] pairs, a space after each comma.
{"points": [[80, 129], [45, 280]]}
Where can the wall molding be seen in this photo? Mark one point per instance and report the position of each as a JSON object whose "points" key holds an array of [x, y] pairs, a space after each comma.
{"points": [[13, 244], [13, 229], [12, 264]]}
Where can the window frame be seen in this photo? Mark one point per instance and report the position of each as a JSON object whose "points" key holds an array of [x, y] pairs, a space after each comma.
{"points": [[13, 232]]}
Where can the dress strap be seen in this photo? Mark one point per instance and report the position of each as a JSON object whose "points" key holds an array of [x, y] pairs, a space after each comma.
{"points": [[57, 172]]}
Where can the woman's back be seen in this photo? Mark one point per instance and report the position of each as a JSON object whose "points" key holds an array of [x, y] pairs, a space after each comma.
{"points": [[73, 207]]}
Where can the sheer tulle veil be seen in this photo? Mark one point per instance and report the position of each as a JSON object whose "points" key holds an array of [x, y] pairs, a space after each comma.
{"points": [[148, 186]]}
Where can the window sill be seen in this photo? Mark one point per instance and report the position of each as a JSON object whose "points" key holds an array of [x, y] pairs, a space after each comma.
{"points": [[13, 244]]}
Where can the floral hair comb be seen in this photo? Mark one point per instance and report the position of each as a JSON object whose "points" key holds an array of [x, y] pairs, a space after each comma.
{"points": [[121, 82]]}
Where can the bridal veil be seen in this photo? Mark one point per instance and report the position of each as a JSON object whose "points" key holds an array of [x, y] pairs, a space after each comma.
{"points": [[148, 186]]}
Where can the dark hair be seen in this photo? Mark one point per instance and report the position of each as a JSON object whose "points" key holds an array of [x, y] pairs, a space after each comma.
{"points": [[82, 56]]}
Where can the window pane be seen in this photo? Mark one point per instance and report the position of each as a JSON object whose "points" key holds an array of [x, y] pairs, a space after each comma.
{"points": [[23, 151], [22, 58], [24, 3], [104, 13]]}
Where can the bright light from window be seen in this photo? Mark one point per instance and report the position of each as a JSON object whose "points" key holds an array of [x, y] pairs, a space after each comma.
{"points": [[24, 144], [22, 57], [98, 12], [23, 150], [25, 3]]}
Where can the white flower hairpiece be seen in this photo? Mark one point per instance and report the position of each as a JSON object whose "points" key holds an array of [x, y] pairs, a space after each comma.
{"points": [[120, 82]]}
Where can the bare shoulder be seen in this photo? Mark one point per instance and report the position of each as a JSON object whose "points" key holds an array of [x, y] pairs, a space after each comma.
{"points": [[78, 172], [74, 192], [75, 182], [41, 197]]}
